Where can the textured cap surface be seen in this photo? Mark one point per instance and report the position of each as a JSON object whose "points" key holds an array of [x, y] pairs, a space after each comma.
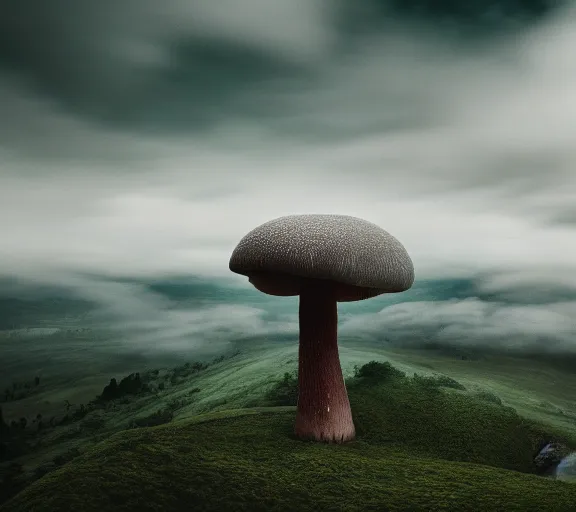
{"points": [[359, 255]]}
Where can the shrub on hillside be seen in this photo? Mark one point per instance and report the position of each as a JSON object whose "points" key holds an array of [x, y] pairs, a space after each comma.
{"points": [[93, 423], [488, 396], [132, 384], [448, 382], [159, 417], [65, 457], [437, 381], [375, 371], [285, 391]]}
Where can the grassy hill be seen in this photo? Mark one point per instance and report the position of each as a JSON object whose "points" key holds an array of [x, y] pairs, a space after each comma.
{"points": [[423, 444]]}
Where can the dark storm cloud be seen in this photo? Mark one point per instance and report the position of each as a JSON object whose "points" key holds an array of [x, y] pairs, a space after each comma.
{"points": [[179, 65], [148, 66], [481, 14]]}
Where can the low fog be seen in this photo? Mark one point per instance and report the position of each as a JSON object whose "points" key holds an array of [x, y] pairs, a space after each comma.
{"points": [[139, 142]]}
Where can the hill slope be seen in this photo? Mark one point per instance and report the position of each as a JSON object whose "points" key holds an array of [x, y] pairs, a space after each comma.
{"points": [[418, 448]]}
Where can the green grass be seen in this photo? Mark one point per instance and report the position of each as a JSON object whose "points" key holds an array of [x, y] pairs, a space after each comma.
{"points": [[419, 447], [454, 426], [535, 389]]}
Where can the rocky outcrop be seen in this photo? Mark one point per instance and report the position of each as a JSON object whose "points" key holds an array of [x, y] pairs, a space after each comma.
{"points": [[549, 457]]}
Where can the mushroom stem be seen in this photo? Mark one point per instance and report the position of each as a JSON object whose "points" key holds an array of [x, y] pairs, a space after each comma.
{"points": [[323, 408]]}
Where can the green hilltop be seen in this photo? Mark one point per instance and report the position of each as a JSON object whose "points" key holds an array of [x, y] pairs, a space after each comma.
{"points": [[423, 443]]}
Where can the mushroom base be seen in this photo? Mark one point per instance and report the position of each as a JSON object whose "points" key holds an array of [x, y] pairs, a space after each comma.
{"points": [[323, 412]]}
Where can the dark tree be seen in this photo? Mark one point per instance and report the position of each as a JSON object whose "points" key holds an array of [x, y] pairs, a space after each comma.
{"points": [[130, 385], [80, 412], [37, 381], [110, 392], [3, 425]]}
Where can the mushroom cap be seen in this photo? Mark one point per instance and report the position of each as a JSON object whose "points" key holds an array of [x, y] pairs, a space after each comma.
{"points": [[361, 258]]}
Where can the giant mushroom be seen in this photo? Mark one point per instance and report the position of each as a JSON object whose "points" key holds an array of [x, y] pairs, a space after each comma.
{"points": [[324, 259]]}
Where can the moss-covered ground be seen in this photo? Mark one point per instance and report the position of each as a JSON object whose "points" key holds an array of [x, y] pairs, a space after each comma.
{"points": [[419, 447]]}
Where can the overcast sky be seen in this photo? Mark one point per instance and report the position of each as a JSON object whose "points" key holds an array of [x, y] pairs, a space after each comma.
{"points": [[145, 139]]}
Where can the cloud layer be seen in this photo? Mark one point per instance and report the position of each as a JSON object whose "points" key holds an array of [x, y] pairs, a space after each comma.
{"points": [[146, 142]]}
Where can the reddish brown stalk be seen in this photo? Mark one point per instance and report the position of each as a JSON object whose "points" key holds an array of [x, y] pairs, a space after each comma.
{"points": [[323, 408]]}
